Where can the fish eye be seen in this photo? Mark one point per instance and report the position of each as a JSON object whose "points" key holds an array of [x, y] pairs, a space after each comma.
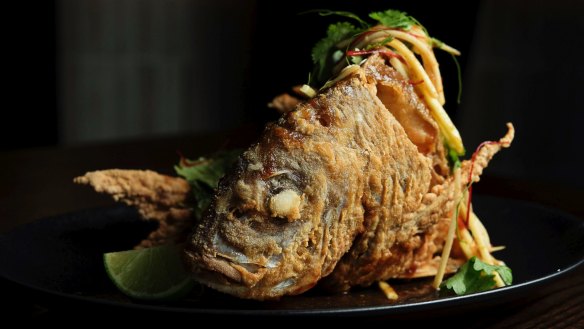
{"points": [[285, 204]]}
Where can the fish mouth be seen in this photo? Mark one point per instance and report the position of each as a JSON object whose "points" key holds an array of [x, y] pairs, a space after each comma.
{"points": [[241, 279], [221, 273], [214, 270], [223, 267]]}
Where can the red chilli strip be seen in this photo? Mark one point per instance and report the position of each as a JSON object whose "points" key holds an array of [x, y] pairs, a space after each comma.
{"points": [[473, 159], [461, 223], [468, 205], [413, 83], [361, 37], [362, 52], [415, 35]]}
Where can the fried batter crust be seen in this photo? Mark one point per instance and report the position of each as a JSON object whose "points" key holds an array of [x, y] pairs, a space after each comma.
{"points": [[157, 197], [363, 185], [350, 188]]}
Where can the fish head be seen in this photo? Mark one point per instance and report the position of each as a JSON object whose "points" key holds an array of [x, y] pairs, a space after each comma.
{"points": [[253, 240], [290, 209]]}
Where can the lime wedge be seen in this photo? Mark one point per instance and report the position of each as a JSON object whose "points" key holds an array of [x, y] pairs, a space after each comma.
{"points": [[149, 274]]}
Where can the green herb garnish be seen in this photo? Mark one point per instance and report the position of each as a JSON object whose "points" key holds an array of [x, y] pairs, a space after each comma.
{"points": [[324, 50], [395, 19], [476, 276], [204, 174], [325, 54], [346, 44], [453, 158]]}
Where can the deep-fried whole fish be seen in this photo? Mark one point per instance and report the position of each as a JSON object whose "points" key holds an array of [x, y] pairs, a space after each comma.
{"points": [[348, 183], [358, 183]]}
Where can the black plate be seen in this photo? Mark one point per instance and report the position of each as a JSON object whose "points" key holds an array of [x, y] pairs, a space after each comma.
{"points": [[62, 257]]}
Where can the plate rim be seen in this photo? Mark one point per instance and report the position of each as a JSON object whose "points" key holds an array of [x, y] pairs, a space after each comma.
{"points": [[390, 309]]}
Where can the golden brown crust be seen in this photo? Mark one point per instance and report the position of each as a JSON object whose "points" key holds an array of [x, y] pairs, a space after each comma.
{"points": [[400, 98], [362, 184], [352, 186], [155, 196], [284, 103]]}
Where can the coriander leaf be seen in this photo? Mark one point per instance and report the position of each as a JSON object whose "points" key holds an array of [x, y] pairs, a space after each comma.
{"points": [[394, 19], [322, 53], [203, 196], [476, 276], [204, 174], [504, 271]]}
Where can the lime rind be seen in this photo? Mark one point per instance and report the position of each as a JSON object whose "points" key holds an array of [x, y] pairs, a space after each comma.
{"points": [[155, 274]]}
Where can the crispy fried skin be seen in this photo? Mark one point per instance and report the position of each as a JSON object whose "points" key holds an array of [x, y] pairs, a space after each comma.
{"points": [[364, 187], [350, 188], [157, 197]]}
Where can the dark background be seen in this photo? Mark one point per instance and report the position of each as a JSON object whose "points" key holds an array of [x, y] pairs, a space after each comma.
{"points": [[521, 63]]}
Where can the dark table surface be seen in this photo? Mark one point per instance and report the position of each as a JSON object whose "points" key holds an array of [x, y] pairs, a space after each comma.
{"points": [[37, 183]]}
